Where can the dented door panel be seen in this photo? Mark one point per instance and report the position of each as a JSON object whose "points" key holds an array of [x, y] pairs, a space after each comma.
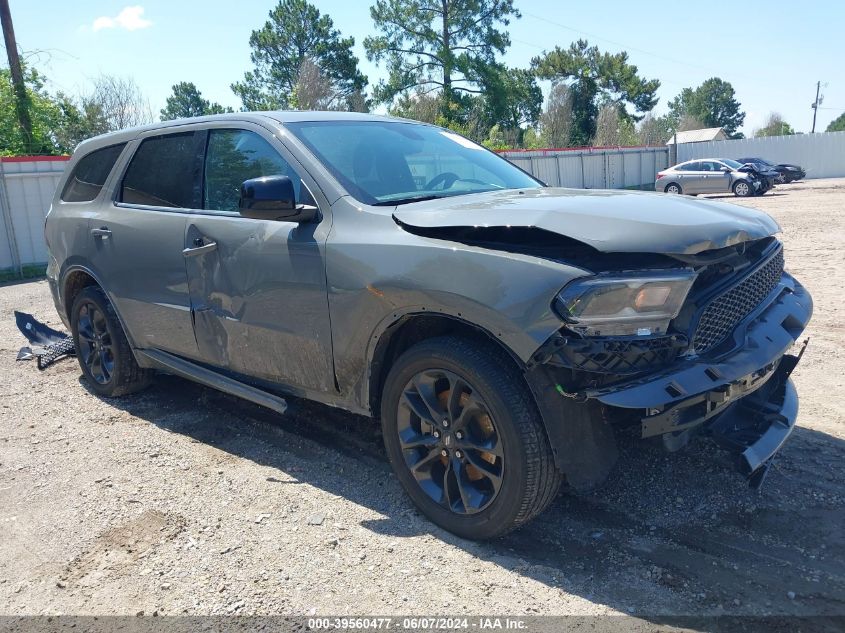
{"points": [[259, 298]]}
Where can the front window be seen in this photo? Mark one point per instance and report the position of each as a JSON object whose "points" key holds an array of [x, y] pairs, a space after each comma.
{"points": [[388, 163], [234, 156], [731, 163]]}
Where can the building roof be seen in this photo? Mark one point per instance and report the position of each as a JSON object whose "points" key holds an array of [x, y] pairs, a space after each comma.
{"points": [[699, 136]]}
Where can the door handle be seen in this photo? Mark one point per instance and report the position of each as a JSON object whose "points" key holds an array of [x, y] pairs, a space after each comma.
{"points": [[102, 232], [200, 248]]}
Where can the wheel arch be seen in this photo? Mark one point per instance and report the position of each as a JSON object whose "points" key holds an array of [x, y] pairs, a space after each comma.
{"points": [[73, 281], [414, 327]]}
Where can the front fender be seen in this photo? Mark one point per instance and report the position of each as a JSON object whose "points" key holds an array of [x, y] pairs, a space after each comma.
{"points": [[378, 273]]}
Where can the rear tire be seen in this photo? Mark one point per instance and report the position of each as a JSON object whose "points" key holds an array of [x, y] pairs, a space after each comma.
{"points": [[104, 354], [465, 439], [673, 187], [742, 189]]}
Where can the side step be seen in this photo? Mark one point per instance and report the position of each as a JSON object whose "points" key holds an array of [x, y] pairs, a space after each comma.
{"points": [[174, 365]]}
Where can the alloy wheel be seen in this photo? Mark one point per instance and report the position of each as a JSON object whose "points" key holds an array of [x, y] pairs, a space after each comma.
{"points": [[449, 441], [742, 189], [96, 348]]}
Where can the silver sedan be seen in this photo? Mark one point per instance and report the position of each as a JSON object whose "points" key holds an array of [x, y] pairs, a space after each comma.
{"points": [[707, 175]]}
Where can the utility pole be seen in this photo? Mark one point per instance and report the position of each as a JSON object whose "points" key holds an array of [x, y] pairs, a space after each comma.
{"points": [[815, 105], [21, 98]]}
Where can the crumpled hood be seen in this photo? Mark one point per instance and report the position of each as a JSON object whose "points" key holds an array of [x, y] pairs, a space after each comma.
{"points": [[610, 221]]}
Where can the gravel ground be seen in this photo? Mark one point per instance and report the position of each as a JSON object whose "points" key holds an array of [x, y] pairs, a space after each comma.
{"points": [[181, 500]]}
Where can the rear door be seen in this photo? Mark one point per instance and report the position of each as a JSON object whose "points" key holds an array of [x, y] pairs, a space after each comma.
{"points": [[258, 287], [138, 237], [691, 177]]}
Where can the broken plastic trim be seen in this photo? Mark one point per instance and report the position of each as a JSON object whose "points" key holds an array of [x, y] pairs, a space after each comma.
{"points": [[49, 345]]}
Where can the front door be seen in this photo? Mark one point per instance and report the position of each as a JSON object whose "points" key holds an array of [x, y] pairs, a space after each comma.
{"points": [[716, 180], [138, 238], [258, 287]]}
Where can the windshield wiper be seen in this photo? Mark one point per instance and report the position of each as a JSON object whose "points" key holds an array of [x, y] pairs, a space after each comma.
{"points": [[398, 201]]}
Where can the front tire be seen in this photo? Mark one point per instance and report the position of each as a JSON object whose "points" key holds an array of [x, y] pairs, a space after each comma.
{"points": [[104, 354], [742, 189], [465, 439], [673, 187]]}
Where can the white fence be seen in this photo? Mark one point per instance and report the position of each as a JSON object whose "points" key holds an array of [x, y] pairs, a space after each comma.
{"points": [[27, 185], [822, 155], [595, 167]]}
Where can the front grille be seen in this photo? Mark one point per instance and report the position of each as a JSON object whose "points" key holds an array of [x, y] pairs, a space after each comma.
{"points": [[725, 312]]}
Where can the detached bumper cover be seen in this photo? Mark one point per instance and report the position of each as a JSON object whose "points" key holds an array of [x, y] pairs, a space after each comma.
{"points": [[745, 401], [757, 426]]}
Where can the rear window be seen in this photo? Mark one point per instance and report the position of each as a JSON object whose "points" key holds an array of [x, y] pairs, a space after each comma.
{"points": [[90, 173], [161, 173]]}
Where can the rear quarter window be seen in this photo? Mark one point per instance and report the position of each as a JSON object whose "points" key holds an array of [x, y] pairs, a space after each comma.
{"points": [[162, 173], [90, 174]]}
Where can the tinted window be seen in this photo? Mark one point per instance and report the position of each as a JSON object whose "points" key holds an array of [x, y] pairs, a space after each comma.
{"points": [[237, 155], [696, 166], [90, 174], [381, 162], [161, 173], [731, 163]]}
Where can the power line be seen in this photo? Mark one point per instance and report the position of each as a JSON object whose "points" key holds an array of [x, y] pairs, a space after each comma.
{"points": [[627, 47]]}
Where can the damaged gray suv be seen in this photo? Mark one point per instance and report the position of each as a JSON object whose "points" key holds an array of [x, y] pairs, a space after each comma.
{"points": [[503, 331]]}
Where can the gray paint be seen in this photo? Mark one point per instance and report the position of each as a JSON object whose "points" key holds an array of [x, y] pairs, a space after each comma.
{"points": [[610, 221], [304, 306]]}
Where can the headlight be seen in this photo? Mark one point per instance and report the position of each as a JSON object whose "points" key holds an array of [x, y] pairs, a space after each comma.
{"points": [[637, 304]]}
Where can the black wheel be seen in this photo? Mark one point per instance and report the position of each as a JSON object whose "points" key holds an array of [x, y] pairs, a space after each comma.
{"points": [[742, 189], [104, 353], [673, 187], [465, 439]]}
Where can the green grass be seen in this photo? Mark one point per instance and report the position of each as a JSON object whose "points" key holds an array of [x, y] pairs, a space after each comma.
{"points": [[31, 271]]}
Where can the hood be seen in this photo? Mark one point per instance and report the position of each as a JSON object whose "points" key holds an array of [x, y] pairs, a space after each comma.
{"points": [[609, 221]]}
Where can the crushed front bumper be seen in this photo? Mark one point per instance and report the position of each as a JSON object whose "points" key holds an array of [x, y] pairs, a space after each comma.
{"points": [[745, 400]]}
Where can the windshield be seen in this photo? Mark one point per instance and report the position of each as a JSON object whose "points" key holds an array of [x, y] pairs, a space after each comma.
{"points": [[731, 163], [388, 163]]}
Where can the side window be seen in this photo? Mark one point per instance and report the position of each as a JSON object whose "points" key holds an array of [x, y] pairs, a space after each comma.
{"points": [[90, 174], [696, 166], [161, 173], [234, 156]]}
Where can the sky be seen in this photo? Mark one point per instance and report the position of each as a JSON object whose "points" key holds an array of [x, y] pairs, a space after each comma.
{"points": [[773, 53]]}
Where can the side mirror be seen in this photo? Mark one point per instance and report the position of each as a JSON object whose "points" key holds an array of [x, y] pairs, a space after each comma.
{"points": [[272, 198], [725, 169]]}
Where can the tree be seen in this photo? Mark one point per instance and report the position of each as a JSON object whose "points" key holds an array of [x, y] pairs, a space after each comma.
{"points": [[418, 105], [437, 46], [119, 103], [594, 78], [57, 125], [837, 125], [296, 31], [713, 103], [612, 129], [186, 102], [556, 121], [512, 99], [315, 91], [775, 126], [654, 131]]}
